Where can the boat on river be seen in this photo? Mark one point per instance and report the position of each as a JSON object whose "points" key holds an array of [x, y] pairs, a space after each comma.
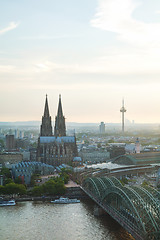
{"points": [[63, 200], [4, 202]]}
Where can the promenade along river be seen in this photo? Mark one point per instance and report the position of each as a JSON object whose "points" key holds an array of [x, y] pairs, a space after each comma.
{"points": [[47, 221]]}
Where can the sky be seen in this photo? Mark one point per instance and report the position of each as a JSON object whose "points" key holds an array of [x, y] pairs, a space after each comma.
{"points": [[92, 52]]}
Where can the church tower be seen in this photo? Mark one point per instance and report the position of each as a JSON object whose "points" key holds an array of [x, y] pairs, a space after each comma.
{"points": [[55, 149], [46, 127], [60, 127]]}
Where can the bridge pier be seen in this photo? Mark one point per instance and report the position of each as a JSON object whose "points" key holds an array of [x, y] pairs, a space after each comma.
{"points": [[98, 211]]}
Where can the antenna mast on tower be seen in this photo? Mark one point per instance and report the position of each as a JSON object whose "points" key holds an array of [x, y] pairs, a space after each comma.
{"points": [[123, 110]]}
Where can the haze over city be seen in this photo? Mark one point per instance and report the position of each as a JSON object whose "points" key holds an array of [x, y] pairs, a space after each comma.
{"points": [[91, 52]]}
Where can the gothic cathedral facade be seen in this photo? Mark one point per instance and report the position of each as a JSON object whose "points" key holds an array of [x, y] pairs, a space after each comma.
{"points": [[55, 149]]}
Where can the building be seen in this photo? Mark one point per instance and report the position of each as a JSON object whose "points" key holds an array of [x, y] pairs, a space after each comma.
{"points": [[10, 143], [16, 133], [93, 156], [116, 150], [10, 158], [102, 128], [25, 170], [138, 158], [137, 146], [55, 149], [77, 161]]}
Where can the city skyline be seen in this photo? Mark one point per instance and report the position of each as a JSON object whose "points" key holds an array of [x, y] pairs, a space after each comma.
{"points": [[92, 52]]}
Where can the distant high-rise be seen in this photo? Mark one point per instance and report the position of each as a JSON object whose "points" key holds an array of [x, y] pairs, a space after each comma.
{"points": [[10, 142], [21, 134], [123, 110], [102, 128], [16, 133]]}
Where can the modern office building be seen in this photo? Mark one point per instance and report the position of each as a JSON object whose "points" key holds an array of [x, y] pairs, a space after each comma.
{"points": [[102, 128]]}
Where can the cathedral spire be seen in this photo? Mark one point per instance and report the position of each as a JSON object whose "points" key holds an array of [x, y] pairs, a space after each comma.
{"points": [[46, 108], [46, 127], [60, 127], [60, 112]]}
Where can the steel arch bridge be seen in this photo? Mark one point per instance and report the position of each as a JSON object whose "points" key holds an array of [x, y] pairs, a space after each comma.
{"points": [[137, 209]]}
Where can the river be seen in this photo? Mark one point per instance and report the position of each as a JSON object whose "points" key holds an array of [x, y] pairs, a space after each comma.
{"points": [[46, 221]]}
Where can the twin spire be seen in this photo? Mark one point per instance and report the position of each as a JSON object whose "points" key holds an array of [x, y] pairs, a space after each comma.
{"points": [[60, 126], [46, 126], [60, 112], [46, 108]]}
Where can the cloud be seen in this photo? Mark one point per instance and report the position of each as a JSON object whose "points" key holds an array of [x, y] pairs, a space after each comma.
{"points": [[117, 16], [47, 37], [11, 26], [115, 62], [49, 66], [6, 68]]}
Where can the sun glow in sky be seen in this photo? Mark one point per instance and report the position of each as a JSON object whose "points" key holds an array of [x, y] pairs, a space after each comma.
{"points": [[92, 52]]}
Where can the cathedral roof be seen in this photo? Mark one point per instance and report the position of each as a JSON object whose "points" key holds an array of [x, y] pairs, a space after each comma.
{"points": [[47, 139]]}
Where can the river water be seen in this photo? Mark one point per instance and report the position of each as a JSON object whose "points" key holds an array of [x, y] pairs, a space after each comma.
{"points": [[47, 221]]}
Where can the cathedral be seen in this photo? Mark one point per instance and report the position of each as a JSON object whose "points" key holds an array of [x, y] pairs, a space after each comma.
{"points": [[57, 148]]}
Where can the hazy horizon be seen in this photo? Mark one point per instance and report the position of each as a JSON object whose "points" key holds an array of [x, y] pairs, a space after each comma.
{"points": [[92, 52], [79, 123]]}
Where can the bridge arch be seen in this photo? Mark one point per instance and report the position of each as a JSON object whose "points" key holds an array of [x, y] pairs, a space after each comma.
{"points": [[135, 208], [146, 215], [118, 201], [90, 185], [150, 202]]}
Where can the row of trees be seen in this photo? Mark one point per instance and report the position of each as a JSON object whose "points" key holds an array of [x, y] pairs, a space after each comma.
{"points": [[10, 186], [55, 186], [52, 187], [13, 188]]}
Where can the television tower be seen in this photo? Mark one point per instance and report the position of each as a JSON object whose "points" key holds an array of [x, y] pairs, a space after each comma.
{"points": [[123, 110]]}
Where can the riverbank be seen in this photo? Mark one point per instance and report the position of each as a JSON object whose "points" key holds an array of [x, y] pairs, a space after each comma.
{"points": [[71, 192]]}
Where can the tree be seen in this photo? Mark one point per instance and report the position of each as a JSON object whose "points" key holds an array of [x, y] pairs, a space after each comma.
{"points": [[2, 189], [37, 191], [32, 183], [10, 188], [59, 187], [49, 187], [54, 187], [6, 172], [13, 188], [8, 180], [145, 183], [64, 176], [111, 141], [21, 190], [99, 145], [18, 180]]}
